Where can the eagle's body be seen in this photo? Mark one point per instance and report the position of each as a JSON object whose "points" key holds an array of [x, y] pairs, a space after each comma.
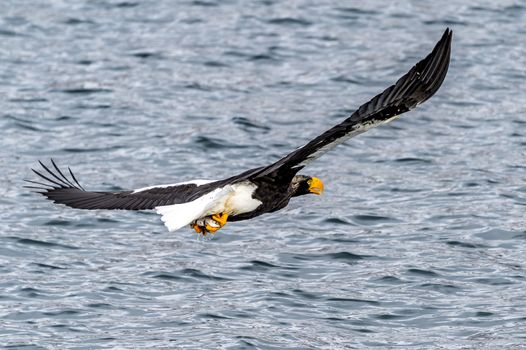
{"points": [[206, 205]]}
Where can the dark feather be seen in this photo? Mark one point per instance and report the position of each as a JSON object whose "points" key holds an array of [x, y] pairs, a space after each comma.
{"points": [[53, 174], [75, 179], [48, 179], [38, 183], [60, 172]]}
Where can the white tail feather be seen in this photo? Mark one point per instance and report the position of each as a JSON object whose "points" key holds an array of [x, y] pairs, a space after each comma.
{"points": [[176, 216]]}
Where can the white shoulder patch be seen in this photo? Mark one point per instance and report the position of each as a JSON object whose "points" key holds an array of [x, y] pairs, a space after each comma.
{"points": [[196, 182], [176, 216]]}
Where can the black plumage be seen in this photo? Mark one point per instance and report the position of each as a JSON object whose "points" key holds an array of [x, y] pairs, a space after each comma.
{"points": [[275, 183]]}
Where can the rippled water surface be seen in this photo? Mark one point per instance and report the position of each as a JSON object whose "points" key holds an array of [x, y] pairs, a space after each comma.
{"points": [[419, 241]]}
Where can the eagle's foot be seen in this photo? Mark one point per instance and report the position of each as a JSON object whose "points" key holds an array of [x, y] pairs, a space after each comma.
{"points": [[220, 218], [209, 224]]}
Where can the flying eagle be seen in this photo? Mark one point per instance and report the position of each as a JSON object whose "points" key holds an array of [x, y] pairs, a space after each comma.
{"points": [[207, 205]]}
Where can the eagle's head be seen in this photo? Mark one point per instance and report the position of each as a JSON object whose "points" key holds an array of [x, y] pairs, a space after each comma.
{"points": [[302, 184]]}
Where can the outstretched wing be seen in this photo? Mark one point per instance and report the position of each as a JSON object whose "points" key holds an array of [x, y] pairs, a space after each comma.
{"points": [[419, 84], [68, 191]]}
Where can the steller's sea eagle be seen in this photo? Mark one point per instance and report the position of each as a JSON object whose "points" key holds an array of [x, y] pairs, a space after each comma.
{"points": [[207, 205]]}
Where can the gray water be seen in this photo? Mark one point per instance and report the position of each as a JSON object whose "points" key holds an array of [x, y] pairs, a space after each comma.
{"points": [[419, 241]]}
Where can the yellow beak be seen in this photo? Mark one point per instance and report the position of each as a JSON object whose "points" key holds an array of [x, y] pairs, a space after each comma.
{"points": [[315, 186]]}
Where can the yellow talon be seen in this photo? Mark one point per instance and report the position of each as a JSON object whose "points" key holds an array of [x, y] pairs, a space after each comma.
{"points": [[197, 228], [211, 229], [220, 218]]}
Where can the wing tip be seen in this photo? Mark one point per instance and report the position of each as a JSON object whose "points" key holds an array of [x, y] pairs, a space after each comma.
{"points": [[446, 39], [52, 180], [439, 65], [427, 76], [448, 33]]}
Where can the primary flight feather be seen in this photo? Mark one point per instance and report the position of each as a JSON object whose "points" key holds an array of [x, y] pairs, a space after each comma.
{"points": [[207, 205]]}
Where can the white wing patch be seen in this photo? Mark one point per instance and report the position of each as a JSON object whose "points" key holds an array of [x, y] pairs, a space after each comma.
{"points": [[176, 216], [196, 182], [241, 201]]}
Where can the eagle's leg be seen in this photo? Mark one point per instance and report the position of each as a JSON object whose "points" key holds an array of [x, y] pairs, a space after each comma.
{"points": [[209, 224]]}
